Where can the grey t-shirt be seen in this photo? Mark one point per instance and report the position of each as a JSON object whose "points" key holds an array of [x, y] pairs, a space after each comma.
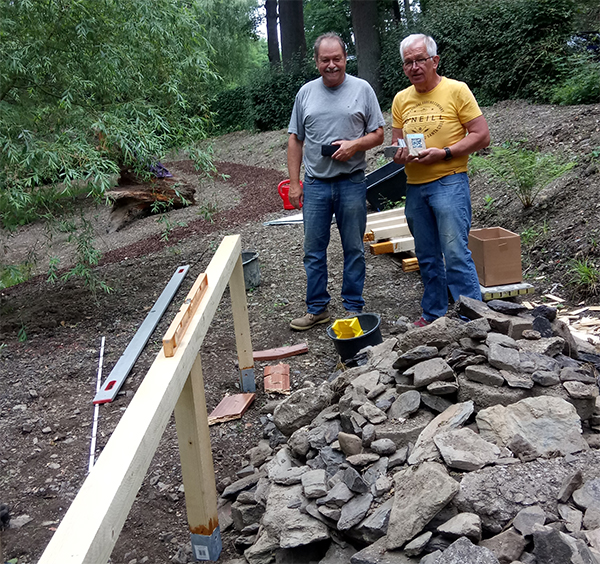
{"points": [[322, 115]]}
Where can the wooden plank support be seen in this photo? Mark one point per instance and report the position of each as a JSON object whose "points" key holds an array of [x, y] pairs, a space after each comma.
{"points": [[397, 230], [90, 528], [281, 352], [410, 264], [393, 246], [384, 218], [241, 326], [197, 469], [184, 315]]}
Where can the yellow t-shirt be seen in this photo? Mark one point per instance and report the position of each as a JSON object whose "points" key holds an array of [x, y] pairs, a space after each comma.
{"points": [[439, 115]]}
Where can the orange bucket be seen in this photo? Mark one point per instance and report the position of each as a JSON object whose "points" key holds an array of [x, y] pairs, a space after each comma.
{"points": [[284, 189]]}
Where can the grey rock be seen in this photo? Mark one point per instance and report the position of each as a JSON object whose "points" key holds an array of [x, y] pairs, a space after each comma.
{"points": [[570, 483], [473, 346], [431, 558], [372, 414], [333, 459], [484, 375], [440, 333], [462, 525], [398, 458], [301, 407], [542, 326], [244, 515], [262, 551], [463, 551], [531, 335], [405, 405], [572, 518], [477, 329], [382, 485], [354, 511], [376, 391], [551, 346], [572, 374], [375, 525], [350, 444], [418, 544], [517, 379], [337, 496], [414, 356], [591, 519], [545, 378], [475, 309], [421, 491], [314, 483], [337, 554], [544, 311], [435, 403], [373, 472], [504, 358], [578, 390], [531, 361], [570, 346], [452, 418], [368, 434], [550, 546], [464, 449], [501, 339], [378, 554], [518, 325], [259, 454], [354, 480], [362, 459], [527, 518], [509, 308], [522, 448], [383, 447], [238, 486], [588, 495], [442, 388], [506, 546], [289, 476], [404, 432], [290, 526], [298, 442], [550, 424], [430, 371], [352, 422], [368, 380]]}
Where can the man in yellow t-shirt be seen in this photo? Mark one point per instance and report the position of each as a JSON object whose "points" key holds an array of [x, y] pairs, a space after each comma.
{"points": [[438, 199]]}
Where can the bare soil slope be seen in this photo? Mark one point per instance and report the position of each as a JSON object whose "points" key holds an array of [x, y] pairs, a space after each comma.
{"points": [[50, 335]]}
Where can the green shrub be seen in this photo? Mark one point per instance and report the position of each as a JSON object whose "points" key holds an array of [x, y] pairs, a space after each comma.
{"points": [[585, 275], [525, 172], [581, 87]]}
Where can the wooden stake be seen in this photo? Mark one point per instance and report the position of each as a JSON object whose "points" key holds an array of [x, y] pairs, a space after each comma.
{"points": [[195, 452]]}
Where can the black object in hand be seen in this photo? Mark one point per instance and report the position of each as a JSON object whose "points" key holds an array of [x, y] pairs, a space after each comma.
{"points": [[328, 150]]}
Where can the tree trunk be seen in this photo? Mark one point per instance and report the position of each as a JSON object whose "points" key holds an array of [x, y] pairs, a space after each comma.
{"points": [[272, 36], [366, 32], [293, 42]]}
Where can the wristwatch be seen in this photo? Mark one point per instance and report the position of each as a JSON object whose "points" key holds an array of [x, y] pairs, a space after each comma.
{"points": [[448, 154]]}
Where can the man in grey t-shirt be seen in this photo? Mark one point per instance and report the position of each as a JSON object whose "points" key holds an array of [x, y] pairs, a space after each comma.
{"points": [[342, 111]]}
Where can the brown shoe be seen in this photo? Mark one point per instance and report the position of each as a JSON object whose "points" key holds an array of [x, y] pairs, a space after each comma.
{"points": [[309, 320]]}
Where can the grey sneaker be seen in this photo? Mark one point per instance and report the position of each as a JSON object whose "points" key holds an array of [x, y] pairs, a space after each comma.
{"points": [[309, 320]]}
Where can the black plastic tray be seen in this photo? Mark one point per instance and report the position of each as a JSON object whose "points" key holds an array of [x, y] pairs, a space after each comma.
{"points": [[386, 184]]}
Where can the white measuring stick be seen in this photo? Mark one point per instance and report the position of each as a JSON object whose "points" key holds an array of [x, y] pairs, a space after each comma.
{"points": [[96, 407]]}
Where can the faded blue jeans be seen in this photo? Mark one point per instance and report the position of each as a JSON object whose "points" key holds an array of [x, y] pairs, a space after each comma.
{"points": [[439, 217], [346, 197]]}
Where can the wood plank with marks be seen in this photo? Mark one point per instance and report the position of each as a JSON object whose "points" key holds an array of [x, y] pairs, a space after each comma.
{"points": [[280, 352], [230, 408]]}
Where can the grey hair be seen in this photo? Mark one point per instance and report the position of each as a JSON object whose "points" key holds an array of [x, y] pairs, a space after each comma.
{"points": [[430, 44], [326, 36]]}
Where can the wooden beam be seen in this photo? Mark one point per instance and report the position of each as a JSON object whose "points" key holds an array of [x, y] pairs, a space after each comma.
{"points": [[393, 246], [184, 315], [91, 526], [392, 231], [385, 218], [193, 436], [241, 326]]}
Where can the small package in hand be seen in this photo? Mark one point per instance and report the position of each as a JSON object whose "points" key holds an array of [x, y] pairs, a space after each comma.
{"points": [[415, 143], [391, 150]]}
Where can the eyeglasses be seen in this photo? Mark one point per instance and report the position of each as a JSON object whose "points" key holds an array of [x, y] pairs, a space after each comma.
{"points": [[418, 62]]}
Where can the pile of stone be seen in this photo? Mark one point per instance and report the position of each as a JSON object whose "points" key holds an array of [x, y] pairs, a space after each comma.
{"points": [[459, 442]]}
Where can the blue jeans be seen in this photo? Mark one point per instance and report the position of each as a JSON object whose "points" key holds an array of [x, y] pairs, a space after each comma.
{"points": [[439, 217], [346, 198]]}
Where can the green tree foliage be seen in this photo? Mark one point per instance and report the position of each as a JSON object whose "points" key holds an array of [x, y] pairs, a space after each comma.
{"points": [[321, 17], [90, 86], [230, 29]]}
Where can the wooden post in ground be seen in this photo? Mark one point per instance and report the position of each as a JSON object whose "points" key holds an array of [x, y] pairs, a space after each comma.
{"points": [[195, 452], [241, 326]]}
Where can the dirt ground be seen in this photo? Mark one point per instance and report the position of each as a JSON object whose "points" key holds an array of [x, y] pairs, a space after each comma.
{"points": [[50, 335]]}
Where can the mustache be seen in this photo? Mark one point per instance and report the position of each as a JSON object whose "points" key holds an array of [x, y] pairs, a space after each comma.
{"points": [[334, 69]]}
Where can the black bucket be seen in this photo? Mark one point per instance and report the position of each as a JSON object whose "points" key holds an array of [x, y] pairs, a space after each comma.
{"points": [[347, 348], [251, 269]]}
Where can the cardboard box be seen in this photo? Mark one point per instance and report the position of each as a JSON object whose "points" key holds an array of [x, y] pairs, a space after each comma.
{"points": [[497, 256]]}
